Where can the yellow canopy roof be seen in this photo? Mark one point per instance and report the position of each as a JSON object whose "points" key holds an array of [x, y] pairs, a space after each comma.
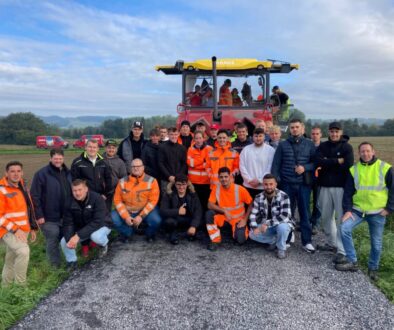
{"points": [[228, 65]]}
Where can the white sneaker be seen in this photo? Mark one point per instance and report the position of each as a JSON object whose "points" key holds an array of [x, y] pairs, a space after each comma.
{"points": [[309, 248]]}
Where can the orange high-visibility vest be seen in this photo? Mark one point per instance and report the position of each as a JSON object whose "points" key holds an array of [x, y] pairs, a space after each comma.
{"points": [[197, 161], [225, 97], [221, 157], [13, 209], [136, 195]]}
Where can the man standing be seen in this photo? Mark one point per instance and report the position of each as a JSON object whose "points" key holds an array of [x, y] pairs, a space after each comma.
{"points": [[51, 195], [16, 222], [131, 146], [181, 209], [270, 218], [171, 158], [150, 154], [186, 137], [91, 167], [242, 139], [227, 203], [86, 219], [316, 214], [275, 135], [316, 135], [368, 196], [163, 134], [333, 158], [222, 156], [135, 200], [293, 167], [255, 163], [117, 166]]}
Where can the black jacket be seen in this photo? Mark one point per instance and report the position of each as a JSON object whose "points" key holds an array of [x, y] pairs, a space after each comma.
{"points": [[239, 145], [350, 189], [98, 177], [150, 159], [331, 173], [51, 192], [85, 217], [170, 205], [172, 159]]}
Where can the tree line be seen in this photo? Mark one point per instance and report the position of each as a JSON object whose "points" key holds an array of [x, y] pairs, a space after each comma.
{"points": [[22, 128]]}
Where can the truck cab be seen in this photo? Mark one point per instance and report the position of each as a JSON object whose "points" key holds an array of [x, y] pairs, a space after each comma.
{"points": [[251, 77]]}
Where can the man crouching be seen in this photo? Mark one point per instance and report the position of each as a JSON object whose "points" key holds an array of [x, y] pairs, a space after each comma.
{"points": [[270, 219], [86, 218]]}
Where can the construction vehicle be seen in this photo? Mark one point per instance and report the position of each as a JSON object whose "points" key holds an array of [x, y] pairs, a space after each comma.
{"points": [[206, 74]]}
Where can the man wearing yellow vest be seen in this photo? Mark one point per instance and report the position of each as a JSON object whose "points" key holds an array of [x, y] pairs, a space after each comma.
{"points": [[228, 203], [368, 196], [16, 222]]}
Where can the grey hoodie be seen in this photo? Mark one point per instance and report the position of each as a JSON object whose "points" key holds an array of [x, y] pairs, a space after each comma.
{"points": [[118, 168]]}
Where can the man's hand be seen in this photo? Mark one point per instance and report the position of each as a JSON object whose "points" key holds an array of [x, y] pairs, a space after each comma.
{"points": [[129, 221], [242, 223], [41, 221], [171, 179], [182, 209], [254, 183], [191, 231], [21, 235], [263, 228], [72, 243], [236, 172], [227, 215], [137, 220], [256, 230], [341, 160], [299, 169], [384, 213], [348, 215], [33, 236]]}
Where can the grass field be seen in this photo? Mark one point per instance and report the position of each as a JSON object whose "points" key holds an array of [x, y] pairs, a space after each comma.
{"points": [[16, 301]]}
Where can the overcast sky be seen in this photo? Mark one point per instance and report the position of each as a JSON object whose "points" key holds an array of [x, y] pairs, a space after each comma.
{"points": [[97, 57]]}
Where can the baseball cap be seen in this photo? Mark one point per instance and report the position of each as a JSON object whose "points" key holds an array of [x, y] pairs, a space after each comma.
{"points": [[137, 124], [214, 126], [111, 142], [335, 124]]}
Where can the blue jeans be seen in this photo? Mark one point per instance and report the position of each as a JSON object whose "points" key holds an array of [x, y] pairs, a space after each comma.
{"points": [[100, 237], [153, 220], [300, 196], [376, 227], [278, 234]]}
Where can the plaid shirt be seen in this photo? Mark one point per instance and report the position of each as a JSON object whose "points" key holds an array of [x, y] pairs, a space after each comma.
{"points": [[280, 210]]}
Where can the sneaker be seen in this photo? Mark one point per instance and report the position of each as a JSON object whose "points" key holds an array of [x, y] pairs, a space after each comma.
{"points": [[71, 266], [281, 254], [347, 267], [213, 246], [271, 247], [326, 248], [339, 259], [85, 251], [103, 251], [174, 239], [373, 274], [309, 248]]}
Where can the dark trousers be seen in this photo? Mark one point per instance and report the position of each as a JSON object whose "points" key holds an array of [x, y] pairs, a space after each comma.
{"points": [[52, 232], [300, 196], [315, 211], [172, 225], [203, 191], [253, 192]]}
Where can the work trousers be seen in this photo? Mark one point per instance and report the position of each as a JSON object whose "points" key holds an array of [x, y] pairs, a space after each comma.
{"points": [[215, 221], [16, 260], [330, 204], [52, 233]]}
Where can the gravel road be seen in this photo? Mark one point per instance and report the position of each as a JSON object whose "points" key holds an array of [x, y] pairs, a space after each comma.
{"points": [[159, 286]]}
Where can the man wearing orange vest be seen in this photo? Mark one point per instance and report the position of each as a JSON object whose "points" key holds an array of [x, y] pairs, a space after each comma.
{"points": [[16, 222], [197, 162], [225, 97], [222, 156], [135, 199], [227, 204]]}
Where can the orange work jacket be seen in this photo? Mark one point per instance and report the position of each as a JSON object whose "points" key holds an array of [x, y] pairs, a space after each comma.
{"points": [[221, 157], [13, 209], [225, 97], [136, 195], [197, 162]]}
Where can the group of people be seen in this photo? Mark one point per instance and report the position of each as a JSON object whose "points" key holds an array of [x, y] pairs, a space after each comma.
{"points": [[190, 183]]}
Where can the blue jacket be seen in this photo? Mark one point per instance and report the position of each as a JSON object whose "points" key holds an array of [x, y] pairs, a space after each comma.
{"points": [[51, 192], [285, 160]]}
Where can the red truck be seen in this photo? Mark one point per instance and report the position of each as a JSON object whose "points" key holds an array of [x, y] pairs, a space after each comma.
{"points": [[50, 141], [81, 142]]}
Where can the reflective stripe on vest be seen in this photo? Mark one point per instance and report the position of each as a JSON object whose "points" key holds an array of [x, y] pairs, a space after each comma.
{"points": [[238, 206], [191, 160], [197, 172]]}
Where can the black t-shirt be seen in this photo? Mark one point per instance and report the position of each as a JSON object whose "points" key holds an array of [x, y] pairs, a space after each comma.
{"points": [[137, 148]]}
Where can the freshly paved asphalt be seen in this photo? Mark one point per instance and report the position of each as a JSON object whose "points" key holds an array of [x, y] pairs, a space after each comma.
{"points": [[159, 286]]}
